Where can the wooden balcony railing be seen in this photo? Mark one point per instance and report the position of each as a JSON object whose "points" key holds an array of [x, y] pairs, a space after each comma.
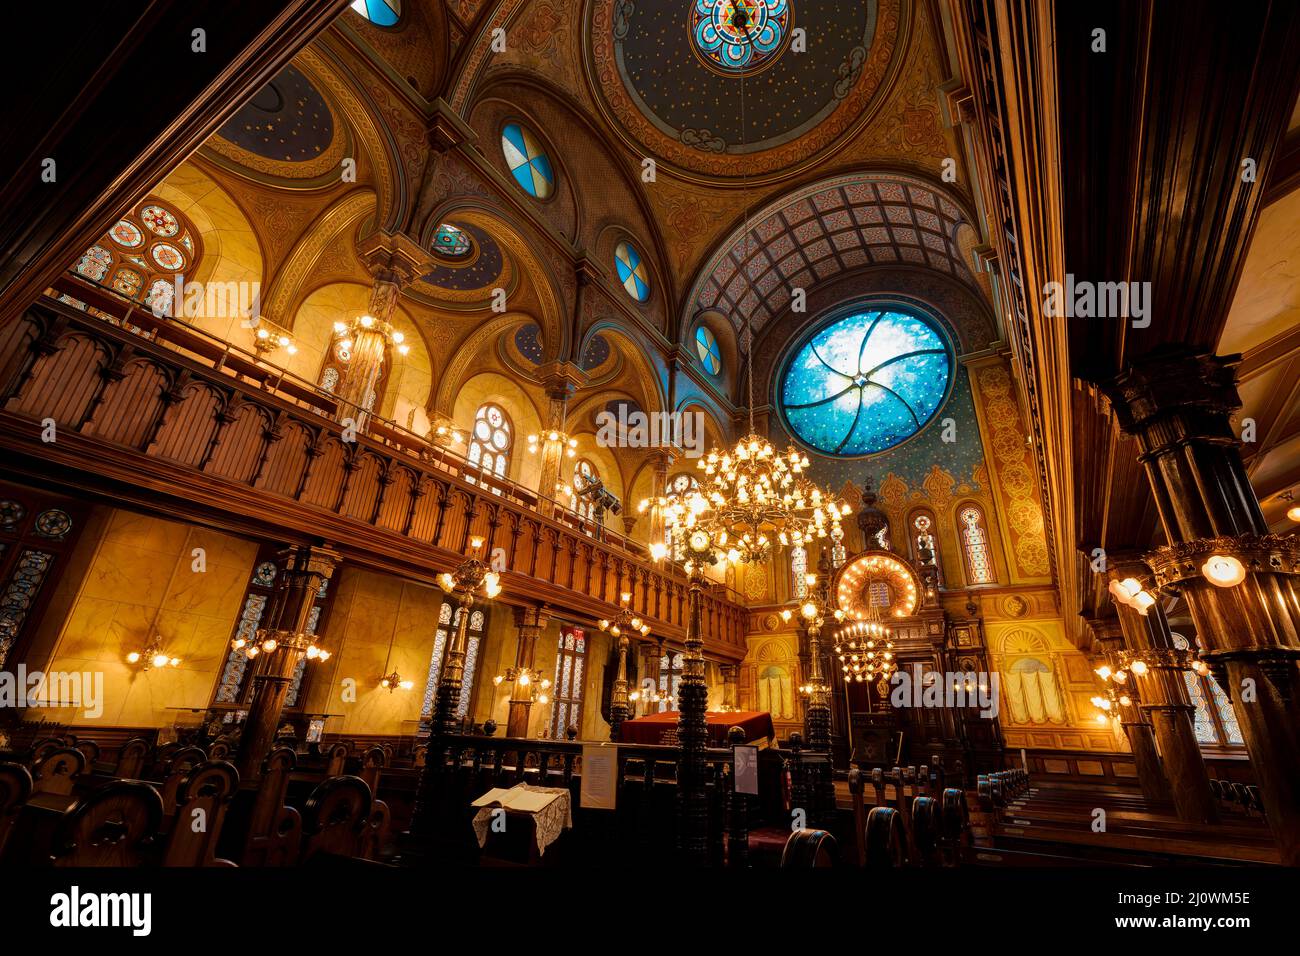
{"points": [[163, 414]]}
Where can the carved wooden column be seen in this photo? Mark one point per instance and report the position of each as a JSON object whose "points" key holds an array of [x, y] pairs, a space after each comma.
{"points": [[303, 572], [1137, 729], [530, 622], [692, 735], [393, 260], [619, 709], [555, 451], [1178, 405]]}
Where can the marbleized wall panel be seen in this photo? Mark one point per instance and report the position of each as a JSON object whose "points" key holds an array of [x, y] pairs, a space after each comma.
{"points": [[372, 612], [140, 578]]}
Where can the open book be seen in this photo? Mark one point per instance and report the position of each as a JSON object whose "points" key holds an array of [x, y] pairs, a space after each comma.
{"points": [[516, 798]]}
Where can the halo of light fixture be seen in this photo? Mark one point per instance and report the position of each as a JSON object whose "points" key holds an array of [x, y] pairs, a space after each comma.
{"points": [[1223, 570]]}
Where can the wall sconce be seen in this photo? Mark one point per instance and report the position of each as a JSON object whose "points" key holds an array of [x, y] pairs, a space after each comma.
{"points": [[1223, 570], [523, 677], [152, 655], [1130, 593]]}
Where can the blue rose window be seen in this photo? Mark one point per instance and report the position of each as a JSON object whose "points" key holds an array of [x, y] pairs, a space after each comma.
{"points": [[736, 36], [866, 382]]}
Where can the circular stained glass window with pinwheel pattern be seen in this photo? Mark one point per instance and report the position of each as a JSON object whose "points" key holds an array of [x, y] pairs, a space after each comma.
{"points": [[866, 382], [739, 36]]}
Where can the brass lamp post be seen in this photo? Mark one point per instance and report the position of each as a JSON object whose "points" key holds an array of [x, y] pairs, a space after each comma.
{"points": [[620, 627]]}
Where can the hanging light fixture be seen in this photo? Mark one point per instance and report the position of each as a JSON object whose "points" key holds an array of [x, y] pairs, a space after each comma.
{"points": [[866, 650], [751, 499], [152, 655]]}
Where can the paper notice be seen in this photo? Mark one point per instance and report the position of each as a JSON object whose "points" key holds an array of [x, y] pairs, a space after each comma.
{"points": [[599, 777]]}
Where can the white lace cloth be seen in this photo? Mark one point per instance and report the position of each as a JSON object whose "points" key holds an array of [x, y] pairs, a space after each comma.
{"points": [[548, 822]]}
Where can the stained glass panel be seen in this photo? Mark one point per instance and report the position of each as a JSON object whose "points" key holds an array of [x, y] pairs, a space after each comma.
{"points": [[451, 242], [382, 13], [632, 271], [737, 36], [974, 539], [1227, 716], [20, 594], [798, 568], [1204, 723], [706, 346], [866, 382], [528, 163]]}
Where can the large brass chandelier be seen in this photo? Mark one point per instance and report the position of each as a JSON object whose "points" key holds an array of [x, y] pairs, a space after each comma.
{"points": [[749, 500], [865, 650]]}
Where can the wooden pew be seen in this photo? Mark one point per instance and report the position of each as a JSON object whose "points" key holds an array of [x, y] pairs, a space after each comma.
{"points": [[808, 849], [202, 798], [57, 771], [116, 825], [15, 789]]}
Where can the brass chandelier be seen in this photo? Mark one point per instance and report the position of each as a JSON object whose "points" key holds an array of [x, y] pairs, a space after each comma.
{"points": [[865, 650], [750, 499]]}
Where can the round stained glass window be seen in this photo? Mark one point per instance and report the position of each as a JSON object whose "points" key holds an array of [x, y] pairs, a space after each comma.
{"points": [[706, 346], [632, 271], [451, 242], [54, 523], [167, 256], [738, 36], [382, 13], [866, 382], [160, 220], [530, 166], [126, 234]]}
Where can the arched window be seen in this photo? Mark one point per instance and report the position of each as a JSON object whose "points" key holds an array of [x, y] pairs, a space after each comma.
{"points": [[448, 620], [680, 486], [570, 665], [491, 440], [337, 361], [975, 545], [921, 536], [143, 254], [584, 473], [670, 678], [1215, 721], [798, 568]]}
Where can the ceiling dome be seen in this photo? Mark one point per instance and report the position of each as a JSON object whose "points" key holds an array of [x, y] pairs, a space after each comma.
{"points": [[669, 74]]}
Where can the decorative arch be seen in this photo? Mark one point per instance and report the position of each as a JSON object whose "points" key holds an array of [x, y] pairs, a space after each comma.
{"points": [[1029, 679], [816, 232], [336, 224]]}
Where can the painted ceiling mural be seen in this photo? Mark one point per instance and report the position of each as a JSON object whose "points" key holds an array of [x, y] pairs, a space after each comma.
{"points": [[286, 129], [844, 135], [670, 76]]}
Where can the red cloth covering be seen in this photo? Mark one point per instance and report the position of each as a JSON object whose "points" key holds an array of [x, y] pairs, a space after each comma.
{"points": [[651, 729]]}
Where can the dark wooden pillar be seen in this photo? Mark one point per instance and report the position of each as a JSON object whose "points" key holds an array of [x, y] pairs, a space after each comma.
{"points": [[1133, 719], [530, 621], [1178, 405], [692, 736], [302, 573]]}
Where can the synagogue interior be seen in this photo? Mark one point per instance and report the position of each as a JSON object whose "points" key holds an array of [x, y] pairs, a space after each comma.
{"points": [[743, 434]]}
